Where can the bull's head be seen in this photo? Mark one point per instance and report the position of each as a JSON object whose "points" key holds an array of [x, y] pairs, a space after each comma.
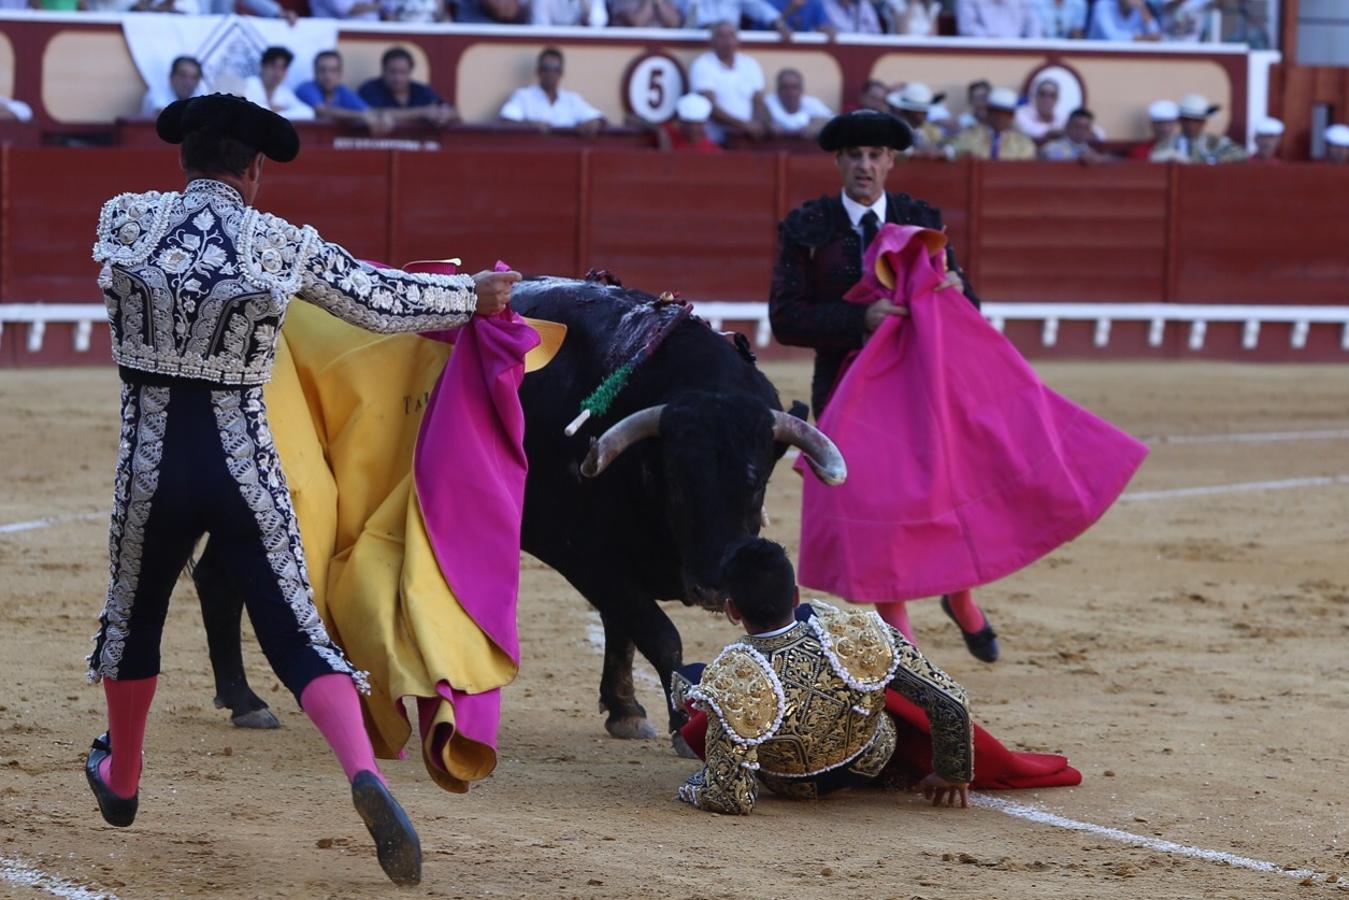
{"points": [[716, 454]]}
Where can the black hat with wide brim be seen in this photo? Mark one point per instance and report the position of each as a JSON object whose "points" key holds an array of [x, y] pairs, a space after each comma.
{"points": [[865, 128], [228, 116]]}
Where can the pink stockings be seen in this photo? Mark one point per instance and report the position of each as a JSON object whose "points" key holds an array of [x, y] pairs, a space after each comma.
{"points": [[963, 608], [128, 708], [331, 703]]}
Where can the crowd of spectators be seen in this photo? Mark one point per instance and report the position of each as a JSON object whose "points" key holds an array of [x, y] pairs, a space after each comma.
{"points": [[1115, 20]]}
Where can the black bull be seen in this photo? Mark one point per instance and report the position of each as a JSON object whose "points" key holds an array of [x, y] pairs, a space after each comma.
{"points": [[642, 514]]}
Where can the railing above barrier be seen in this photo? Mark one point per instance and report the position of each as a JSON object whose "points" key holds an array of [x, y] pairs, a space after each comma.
{"points": [[1196, 317]]}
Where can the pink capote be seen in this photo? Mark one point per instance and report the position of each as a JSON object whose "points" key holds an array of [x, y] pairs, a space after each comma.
{"points": [[962, 466], [469, 469]]}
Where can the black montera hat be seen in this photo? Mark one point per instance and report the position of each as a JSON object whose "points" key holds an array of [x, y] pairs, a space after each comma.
{"points": [[865, 128], [234, 117]]}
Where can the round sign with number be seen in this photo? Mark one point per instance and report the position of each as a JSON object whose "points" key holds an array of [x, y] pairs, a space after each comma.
{"points": [[653, 86]]}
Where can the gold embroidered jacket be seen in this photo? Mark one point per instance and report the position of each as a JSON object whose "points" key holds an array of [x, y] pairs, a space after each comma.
{"points": [[784, 710], [197, 284]]}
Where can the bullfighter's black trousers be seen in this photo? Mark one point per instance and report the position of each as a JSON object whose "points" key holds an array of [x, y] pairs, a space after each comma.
{"points": [[198, 459]]}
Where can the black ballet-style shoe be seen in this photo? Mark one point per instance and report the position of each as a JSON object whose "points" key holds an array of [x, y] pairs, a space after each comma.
{"points": [[117, 811], [396, 841], [982, 644]]}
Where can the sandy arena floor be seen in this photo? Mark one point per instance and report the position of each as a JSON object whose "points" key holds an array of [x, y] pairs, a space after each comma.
{"points": [[1188, 654]]}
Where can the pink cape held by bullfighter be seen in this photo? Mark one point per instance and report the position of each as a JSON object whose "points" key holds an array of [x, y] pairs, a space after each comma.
{"points": [[963, 466]]}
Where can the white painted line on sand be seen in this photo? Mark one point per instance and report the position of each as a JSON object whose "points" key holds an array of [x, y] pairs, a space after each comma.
{"points": [[1251, 437], [1043, 817], [18, 872], [47, 522], [1238, 488]]}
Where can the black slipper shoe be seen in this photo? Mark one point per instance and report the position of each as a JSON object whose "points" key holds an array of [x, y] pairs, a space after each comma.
{"points": [[117, 811], [982, 644], [400, 850]]}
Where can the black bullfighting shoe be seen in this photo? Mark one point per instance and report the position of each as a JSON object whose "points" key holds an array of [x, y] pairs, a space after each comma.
{"points": [[396, 841], [118, 811], [982, 644]]}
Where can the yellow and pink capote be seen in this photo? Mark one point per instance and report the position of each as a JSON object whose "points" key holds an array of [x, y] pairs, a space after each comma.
{"points": [[404, 457]]}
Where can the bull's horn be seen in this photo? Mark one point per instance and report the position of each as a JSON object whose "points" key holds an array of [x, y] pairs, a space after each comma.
{"points": [[820, 452], [639, 426]]}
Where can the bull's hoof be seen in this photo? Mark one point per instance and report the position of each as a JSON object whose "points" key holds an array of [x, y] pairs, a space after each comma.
{"points": [[630, 728], [258, 718], [681, 746]]}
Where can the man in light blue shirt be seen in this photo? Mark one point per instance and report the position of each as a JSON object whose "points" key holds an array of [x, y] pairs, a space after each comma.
{"points": [[330, 98], [1123, 20], [1062, 18]]}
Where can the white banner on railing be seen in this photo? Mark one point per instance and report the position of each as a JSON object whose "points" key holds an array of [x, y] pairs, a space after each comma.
{"points": [[228, 47]]}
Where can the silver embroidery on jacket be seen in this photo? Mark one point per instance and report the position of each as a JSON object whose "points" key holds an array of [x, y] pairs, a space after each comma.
{"points": [[197, 284]]}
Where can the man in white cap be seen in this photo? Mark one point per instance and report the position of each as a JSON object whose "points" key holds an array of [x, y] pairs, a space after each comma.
{"points": [[913, 104], [1268, 137], [688, 132], [1197, 144], [1337, 144], [996, 139], [1164, 116]]}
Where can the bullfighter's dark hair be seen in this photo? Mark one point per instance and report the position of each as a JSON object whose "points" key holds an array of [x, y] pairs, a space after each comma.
{"points": [[758, 576], [211, 154], [397, 53]]}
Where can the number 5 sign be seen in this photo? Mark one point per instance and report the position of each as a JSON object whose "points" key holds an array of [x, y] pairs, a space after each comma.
{"points": [[652, 86]]}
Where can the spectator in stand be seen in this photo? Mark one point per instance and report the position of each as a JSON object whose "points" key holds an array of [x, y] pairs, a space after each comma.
{"points": [[688, 133], [263, 9], [1183, 21], [588, 13], [912, 106], [400, 98], [734, 83], [1062, 19], [1268, 137], [348, 10], [267, 90], [1164, 116], [872, 96], [1196, 143], [997, 139], [184, 81], [804, 15], [915, 18], [491, 12], [422, 12], [1123, 20], [645, 14], [1337, 144], [852, 16], [331, 99], [12, 110], [976, 97], [711, 13], [1076, 143], [791, 111], [546, 106], [997, 19], [1039, 119]]}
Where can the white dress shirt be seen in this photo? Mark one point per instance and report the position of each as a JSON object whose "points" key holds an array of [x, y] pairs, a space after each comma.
{"points": [[811, 108], [531, 104], [856, 211], [283, 101]]}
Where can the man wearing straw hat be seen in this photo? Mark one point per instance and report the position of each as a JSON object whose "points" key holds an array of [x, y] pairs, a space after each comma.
{"points": [[997, 139], [913, 103]]}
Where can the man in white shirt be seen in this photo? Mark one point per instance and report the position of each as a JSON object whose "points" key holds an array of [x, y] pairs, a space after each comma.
{"points": [[183, 83], [734, 83], [266, 88], [792, 111], [546, 106]]}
